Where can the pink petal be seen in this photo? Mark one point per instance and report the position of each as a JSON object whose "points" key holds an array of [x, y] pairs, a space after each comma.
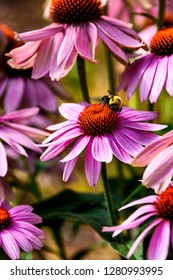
{"points": [[159, 242], [113, 47], [142, 236], [16, 85], [116, 35], [66, 46], [101, 150], [54, 151], [20, 115], [118, 152], [159, 79], [9, 245], [118, 229], [153, 149], [40, 34], [71, 111], [92, 167], [45, 98], [68, 168], [148, 199], [131, 147], [169, 80], [83, 41], [141, 211], [22, 55], [43, 59], [159, 168], [78, 147], [3, 162]]}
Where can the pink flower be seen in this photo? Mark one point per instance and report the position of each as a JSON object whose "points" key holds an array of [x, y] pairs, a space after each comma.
{"points": [[75, 31], [158, 155], [28, 92], [103, 132], [17, 230], [17, 135], [160, 209], [153, 71]]}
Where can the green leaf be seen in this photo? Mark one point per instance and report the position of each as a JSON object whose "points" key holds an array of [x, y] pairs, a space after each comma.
{"points": [[69, 205]]}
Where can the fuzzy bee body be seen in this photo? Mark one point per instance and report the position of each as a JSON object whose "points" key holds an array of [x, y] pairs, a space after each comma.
{"points": [[113, 101]]}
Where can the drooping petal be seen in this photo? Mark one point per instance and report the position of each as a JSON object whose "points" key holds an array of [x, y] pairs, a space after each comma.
{"points": [[153, 149], [20, 115], [115, 34], [118, 152], [125, 142], [40, 34], [43, 59], [169, 80], [3, 161], [159, 168], [142, 236], [9, 245], [148, 199], [83, 41], [159, 242], [101, 150], [68, 168], [45, 98], [113, 47], [66, 46], [78, 147], [15, 87], [22, 56], [158, 79], [92, 166], [54, 151]]}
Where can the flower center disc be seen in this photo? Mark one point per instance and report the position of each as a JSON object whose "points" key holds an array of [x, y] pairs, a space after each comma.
{"points": [[164, 204], [162, 42], [97, 119], [4, 218], [75, 11]]}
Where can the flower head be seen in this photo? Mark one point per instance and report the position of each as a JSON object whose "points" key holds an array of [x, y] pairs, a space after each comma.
{"points": [[17, 135], [17, 230], [160, 209], [158, 155], [152, 71], [18, 83], [103, 132], [75, 30]]}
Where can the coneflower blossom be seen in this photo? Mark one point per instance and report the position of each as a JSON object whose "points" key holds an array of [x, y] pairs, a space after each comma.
{"points": [[153, 71], [17, 230], [159, 209], [17, 135], [18, 86], [158, 155], [75, 30], [102, 132]]}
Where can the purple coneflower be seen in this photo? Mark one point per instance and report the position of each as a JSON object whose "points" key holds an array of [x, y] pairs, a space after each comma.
{"points": [[17, 230], [159, 207], [158, 155], [102, 132], [17, 89], [17, 135], [75, 29], [152, 71]]}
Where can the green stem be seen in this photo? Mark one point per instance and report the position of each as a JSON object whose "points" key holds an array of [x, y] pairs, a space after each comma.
{"points": [[110, 72], [107, 194], [161, 13], [82, 78]]}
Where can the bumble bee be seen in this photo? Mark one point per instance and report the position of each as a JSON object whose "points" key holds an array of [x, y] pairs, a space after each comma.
{"points": [[113, 101]]}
